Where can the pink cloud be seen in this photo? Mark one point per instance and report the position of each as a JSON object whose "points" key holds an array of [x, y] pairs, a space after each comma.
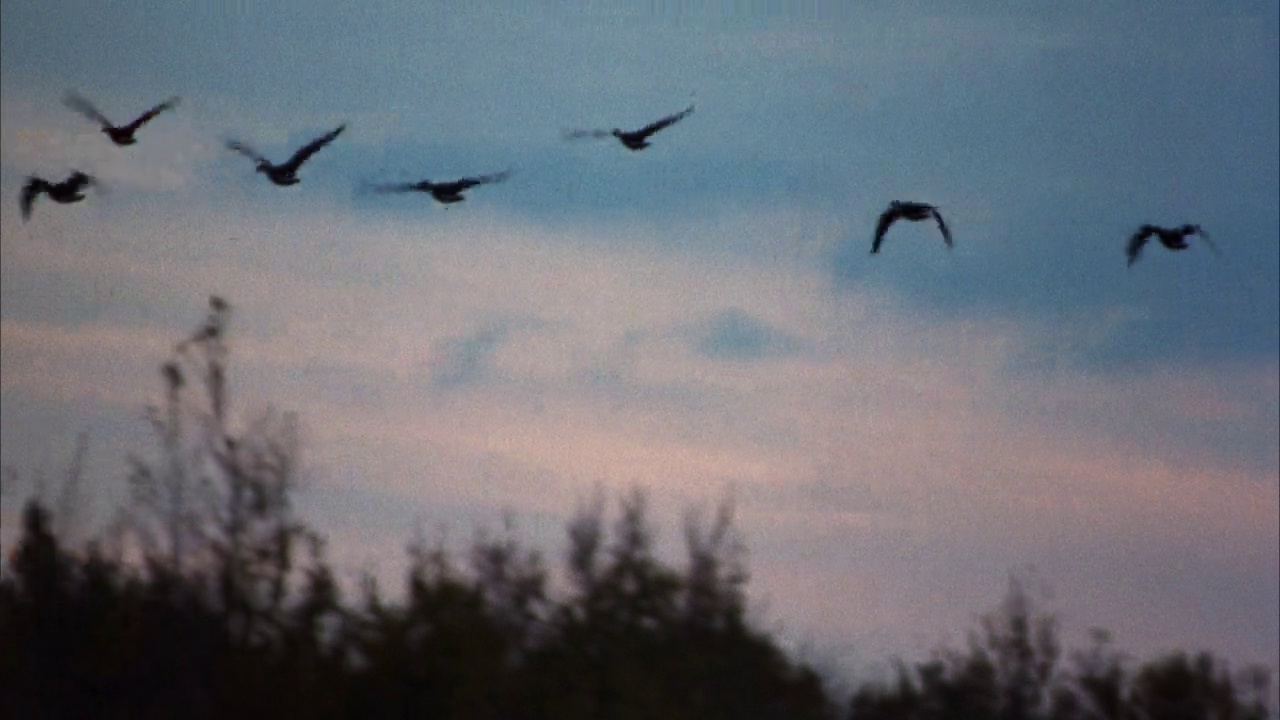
{"points": [[896, 464]]}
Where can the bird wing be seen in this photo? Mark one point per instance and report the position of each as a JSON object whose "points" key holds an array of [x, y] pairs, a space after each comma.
{"points": [[30, 191], [86, 108], [311, 148], [1213, 247], [1137, 240], [246, 151], [667, 121], [887, 218], [465, 183], [425, 185], [145, 117], [946, 234], [585, 134]]}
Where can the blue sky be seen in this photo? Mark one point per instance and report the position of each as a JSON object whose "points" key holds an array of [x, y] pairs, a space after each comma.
{"points": [[901, 432]]}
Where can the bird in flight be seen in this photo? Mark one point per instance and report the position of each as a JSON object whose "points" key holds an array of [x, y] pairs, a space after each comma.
{"points": [[1171, 238], [443, 192], [67, 191], [286, 173], [119, 134], [632, 139], [914, 211]]}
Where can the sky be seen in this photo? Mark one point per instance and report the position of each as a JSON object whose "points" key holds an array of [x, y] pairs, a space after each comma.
{"points": [[900, 433]]}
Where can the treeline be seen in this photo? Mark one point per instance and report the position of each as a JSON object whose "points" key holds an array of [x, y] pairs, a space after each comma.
{"points": [[84, 634], [87, 635], [207, 598]]}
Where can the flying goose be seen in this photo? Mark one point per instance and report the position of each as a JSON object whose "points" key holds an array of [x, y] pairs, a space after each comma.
{"points": [[914, 211], [67, 191], [444, 192], [632, 139], [119, 134], [286, 173], [1171, 238]]}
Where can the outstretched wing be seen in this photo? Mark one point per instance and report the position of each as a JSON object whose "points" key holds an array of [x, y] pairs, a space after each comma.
{"points": [[30, 191], [946, 234], [1137, 240], [310, 149], [667, 121], [1213, 247], [586, 134], [398, 187], [470, 182], [246, 151], [145, 117], [86, 108], [887, 218]]}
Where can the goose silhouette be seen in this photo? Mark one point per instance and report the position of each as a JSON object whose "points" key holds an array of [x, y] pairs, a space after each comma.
{"points": [[119, 134], [1172, 238], [914, 211], [443, 192], [67, 191], [286, 173], [632, 139]]}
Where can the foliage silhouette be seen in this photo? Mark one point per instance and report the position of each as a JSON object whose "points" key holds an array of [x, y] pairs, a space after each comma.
{"points": [[1013, 671], [216, 602]]}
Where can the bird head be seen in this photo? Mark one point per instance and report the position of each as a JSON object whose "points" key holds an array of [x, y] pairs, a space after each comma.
{"points": [[1191, 230]]}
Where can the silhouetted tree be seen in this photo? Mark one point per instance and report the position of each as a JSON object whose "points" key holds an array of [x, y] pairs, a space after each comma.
{"points": [[714, 593], [513, 583], [1180, 687], [1012, 670], [219, 500], [1024, 653], [1097, 690]]}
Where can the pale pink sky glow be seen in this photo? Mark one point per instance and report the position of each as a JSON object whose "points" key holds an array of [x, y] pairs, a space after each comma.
{"points": [[908, 444]]}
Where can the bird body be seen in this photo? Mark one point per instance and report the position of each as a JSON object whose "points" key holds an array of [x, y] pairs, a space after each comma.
{"points": [[632, 139], [1172, 238], [905, 210], [286, 173], [444, 192], [67, 191], [119, 134]]}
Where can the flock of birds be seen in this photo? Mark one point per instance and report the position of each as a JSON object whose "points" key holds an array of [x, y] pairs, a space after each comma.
{"points": [[285, 174]]}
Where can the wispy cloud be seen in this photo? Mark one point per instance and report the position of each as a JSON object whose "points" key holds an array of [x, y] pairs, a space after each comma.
{"points": [[469, 359], [734, 335]]}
